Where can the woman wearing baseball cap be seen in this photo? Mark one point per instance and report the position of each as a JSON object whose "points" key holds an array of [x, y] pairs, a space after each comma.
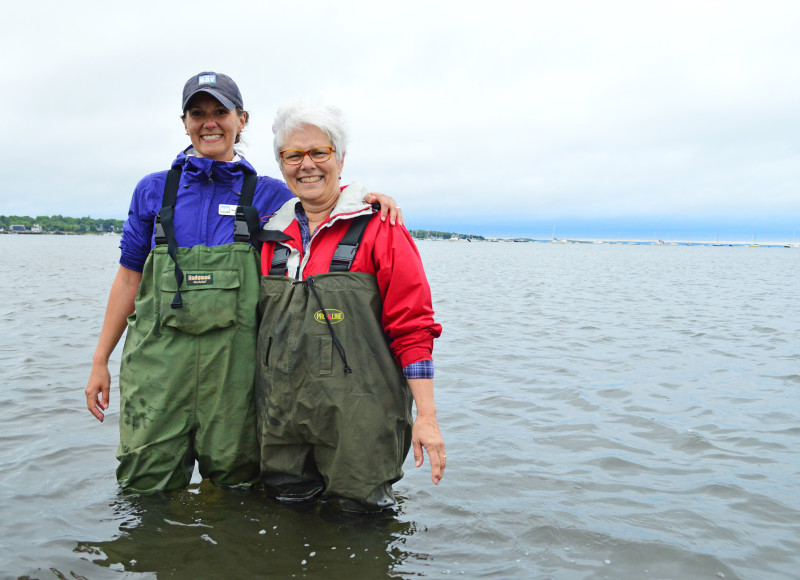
{"points": [[187, 291]]}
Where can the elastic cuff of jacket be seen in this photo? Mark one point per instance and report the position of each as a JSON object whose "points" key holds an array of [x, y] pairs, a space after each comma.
{"points": [[131, 264], [414, 354]]}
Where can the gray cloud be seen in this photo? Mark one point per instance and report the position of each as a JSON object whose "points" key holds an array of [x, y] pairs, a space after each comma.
{"points": [[541, 109]]}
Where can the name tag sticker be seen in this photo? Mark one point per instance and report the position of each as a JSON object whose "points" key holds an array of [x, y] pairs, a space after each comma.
{"points": [[227, 209]]}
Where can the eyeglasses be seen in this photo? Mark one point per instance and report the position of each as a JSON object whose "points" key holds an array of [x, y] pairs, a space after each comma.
{"points": [[317, 155]]}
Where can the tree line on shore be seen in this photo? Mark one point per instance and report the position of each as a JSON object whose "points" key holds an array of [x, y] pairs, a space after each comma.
{"points": [[88, 225], [58, 223], [434, 235]]}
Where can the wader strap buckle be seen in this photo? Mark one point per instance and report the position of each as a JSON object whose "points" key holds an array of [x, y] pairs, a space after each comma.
{"points": [[348, 246], [280, 257], [247, 223], [161, 237], [241, 233]]}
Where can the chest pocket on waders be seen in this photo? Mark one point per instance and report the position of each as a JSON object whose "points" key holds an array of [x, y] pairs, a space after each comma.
{"points": [[209, 300]]}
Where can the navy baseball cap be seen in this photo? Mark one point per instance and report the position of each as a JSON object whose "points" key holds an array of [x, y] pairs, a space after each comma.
{"points": [[219, 86]]}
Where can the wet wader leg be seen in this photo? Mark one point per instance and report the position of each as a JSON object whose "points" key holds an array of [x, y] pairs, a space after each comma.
{"points": [[162, 466], [226, 439], [295, 477], [369, 419], [155, 451], [288, 471], [360, 470], [227, 448], [381, 498], [157, 418], [156, 411]]}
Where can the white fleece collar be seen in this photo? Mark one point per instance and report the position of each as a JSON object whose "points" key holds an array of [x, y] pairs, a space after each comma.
{"points": [[351, 200]]}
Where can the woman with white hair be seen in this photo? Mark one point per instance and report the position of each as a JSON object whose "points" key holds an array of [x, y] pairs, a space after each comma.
{"points": [[346, 338]]}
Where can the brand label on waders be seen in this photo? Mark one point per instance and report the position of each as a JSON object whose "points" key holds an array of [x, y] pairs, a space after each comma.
{"points": [[333, 315], [200, 279]]}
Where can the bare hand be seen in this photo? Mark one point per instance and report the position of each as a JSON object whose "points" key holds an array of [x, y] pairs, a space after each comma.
{"points": [[425, 433], [98, 391], [388, 205]]}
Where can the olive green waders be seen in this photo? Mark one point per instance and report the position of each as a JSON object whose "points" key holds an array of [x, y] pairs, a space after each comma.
{"points": [[186, 379], [322, 429]]}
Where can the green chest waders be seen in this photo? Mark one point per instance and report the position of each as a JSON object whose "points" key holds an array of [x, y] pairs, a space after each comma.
{"points": [[188, 365], [334, 408]]}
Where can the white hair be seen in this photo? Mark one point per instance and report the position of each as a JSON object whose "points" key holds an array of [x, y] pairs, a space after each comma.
{"points": [[298, 114]]}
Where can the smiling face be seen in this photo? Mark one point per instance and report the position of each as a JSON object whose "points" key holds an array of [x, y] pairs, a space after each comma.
{"points": [[313, 183], [212, 128]]}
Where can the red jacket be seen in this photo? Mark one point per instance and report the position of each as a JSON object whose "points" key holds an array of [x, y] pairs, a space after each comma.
{"points": [[386, 251]]}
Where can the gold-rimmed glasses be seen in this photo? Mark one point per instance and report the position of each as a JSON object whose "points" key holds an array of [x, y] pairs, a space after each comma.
{"points": [[317, 155]]}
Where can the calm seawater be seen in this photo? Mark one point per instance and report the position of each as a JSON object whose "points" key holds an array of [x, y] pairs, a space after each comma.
{"points": [[609, 411]]}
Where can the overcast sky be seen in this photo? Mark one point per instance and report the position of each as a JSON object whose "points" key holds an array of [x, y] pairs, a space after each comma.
{"points": [[495, 116]]}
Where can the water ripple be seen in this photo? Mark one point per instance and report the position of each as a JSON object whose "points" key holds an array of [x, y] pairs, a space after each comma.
{"points": [[609, 412]]}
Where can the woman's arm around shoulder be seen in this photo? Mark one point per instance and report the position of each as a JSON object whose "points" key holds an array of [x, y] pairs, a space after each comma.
{"points": [[388, 206]]}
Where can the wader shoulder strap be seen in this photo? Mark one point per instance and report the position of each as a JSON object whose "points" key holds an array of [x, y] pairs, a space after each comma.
{"points": [[165, 228], [348, 246], [342, 257], [247, 220], [167, 200], [281, 254]]}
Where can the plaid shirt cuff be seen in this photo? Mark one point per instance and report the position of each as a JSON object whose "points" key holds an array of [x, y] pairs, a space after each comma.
{"points": [[419, 370]]}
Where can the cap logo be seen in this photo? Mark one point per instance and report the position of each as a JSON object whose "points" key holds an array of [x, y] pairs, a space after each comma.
{"points": [[205, 79]]}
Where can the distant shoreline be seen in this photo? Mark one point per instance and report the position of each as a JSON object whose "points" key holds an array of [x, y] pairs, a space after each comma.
{"points": [[466, 238], [419, 235]]}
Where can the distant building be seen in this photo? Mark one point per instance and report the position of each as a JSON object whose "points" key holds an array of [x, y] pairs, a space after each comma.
{"points": [[16, 228], [36, 228]]}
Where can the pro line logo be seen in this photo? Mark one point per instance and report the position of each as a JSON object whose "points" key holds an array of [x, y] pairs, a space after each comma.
{"points": [[331, 315]]}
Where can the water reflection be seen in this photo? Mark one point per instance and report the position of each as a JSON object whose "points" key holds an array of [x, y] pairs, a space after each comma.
{"points": [[206, 531]]}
